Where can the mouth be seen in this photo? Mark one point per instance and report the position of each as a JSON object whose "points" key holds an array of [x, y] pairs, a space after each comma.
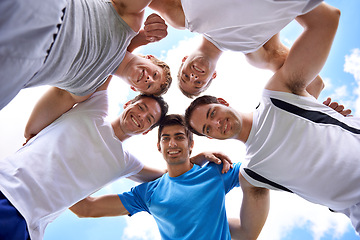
{"points": [[173, 152], [226, 126], [135, 121], [198, 69], [141, 76]]}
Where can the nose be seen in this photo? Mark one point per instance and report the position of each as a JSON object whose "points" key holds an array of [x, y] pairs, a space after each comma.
{"points": [[216, 123], [193, 77], [149, 79], [172, 142]]}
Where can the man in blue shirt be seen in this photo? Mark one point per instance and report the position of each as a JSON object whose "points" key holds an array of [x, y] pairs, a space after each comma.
{"points": [[188, 202]]}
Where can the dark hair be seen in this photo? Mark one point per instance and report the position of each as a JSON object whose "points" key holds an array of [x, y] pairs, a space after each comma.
{"points": [[174, 119], [203, 100], [191, 95], [163, 106]]}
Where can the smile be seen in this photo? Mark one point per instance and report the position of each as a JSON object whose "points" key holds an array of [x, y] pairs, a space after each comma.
{"points": [[141, 75], [135, 121]]}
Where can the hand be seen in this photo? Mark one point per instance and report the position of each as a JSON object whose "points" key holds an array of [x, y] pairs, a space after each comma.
{"points": [[215, 157], [155, 28], [337, 107], [28, 139]]}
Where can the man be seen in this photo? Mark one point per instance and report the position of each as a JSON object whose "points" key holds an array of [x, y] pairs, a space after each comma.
{"points": [[244, 26], [74, 45], [188, 202], [293, 142], [70, 159]]}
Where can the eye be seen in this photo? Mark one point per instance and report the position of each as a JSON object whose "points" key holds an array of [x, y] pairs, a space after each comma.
{"points": [[149, 120], [212, 114], [198, 83], [180, 137], [207, 130], [165, 139]]}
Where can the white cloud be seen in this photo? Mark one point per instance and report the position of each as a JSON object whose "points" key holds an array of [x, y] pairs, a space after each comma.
{"points": [[352, 66]]}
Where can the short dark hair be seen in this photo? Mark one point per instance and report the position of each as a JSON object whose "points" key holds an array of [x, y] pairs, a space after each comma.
{"points": [[164, 107], [203, 100], [174, 119]]}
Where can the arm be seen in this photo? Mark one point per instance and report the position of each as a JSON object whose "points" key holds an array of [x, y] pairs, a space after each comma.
{"points": [[309, 52], [147, 174], [51, 105], [215, 157], [253, 213], [103, 206], [154, 30]]}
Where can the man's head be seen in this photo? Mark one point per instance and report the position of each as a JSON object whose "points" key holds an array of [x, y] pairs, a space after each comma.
{"points": [[147, 75], [175, 141], [212, 117], [142, 114], [196, 74]]}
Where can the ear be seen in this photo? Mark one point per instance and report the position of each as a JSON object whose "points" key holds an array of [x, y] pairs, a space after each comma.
{"points": [[149, 56], [133, 88], [214, 75], [222, 101], [126, 104], [146, 132], [184, 59], [159, 147]]}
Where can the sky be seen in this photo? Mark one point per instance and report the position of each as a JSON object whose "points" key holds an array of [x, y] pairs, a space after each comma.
{"points": [[241, 85]]}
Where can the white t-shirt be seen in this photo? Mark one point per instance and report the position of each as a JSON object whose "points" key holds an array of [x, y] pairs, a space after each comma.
{"points": [[243, 25], [298, 144], [67, 161]]}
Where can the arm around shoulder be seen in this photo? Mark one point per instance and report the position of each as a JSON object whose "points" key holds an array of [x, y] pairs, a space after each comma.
{"points": [[103, 206], [51, 105], [253, 213]]}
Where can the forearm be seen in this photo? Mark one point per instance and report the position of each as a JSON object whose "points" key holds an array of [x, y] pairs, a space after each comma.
{"points": [[147, 174], [103, 206], [138, 41], [315, 87], [51, 105]]}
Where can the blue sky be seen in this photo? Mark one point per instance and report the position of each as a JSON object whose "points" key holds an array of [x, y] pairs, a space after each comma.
{"points": [[290, 217]]}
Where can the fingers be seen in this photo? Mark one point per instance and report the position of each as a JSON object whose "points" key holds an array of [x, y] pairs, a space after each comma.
{"points": [[227, 163], [155, 28], [327, 101]]}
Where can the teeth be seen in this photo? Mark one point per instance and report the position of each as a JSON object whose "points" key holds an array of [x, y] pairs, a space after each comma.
{"points": [[198, 69], [141, 75], [173, 152], [136, 122]]}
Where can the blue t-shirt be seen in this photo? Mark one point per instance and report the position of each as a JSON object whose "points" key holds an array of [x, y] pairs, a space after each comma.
{"points": [[191, 206]]}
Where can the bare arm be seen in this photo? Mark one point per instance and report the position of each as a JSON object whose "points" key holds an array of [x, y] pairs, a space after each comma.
{"points": [[253, 213], [51, 105], [309, 52], [147, 174], [103, 206]]}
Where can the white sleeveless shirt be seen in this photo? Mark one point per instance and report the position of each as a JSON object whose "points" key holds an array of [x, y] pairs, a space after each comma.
{"points": [[300, 145]]}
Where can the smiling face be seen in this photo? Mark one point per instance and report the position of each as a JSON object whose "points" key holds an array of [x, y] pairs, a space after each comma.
{"points": [[138, 117], [195, 74], [174, 145], [144, 76], [216, 121]]}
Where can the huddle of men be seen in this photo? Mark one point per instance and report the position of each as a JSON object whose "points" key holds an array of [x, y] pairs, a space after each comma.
{"points": [[52, 172]]}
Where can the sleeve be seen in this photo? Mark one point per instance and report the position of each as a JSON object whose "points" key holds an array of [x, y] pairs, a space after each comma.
{"points": [[132, 163], [136, 199], [231, 178]]}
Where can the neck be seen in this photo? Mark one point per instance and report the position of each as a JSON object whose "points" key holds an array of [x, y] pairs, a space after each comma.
{"points": [[178, 169], [247, 120], [210, 50], [119, 133]]}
